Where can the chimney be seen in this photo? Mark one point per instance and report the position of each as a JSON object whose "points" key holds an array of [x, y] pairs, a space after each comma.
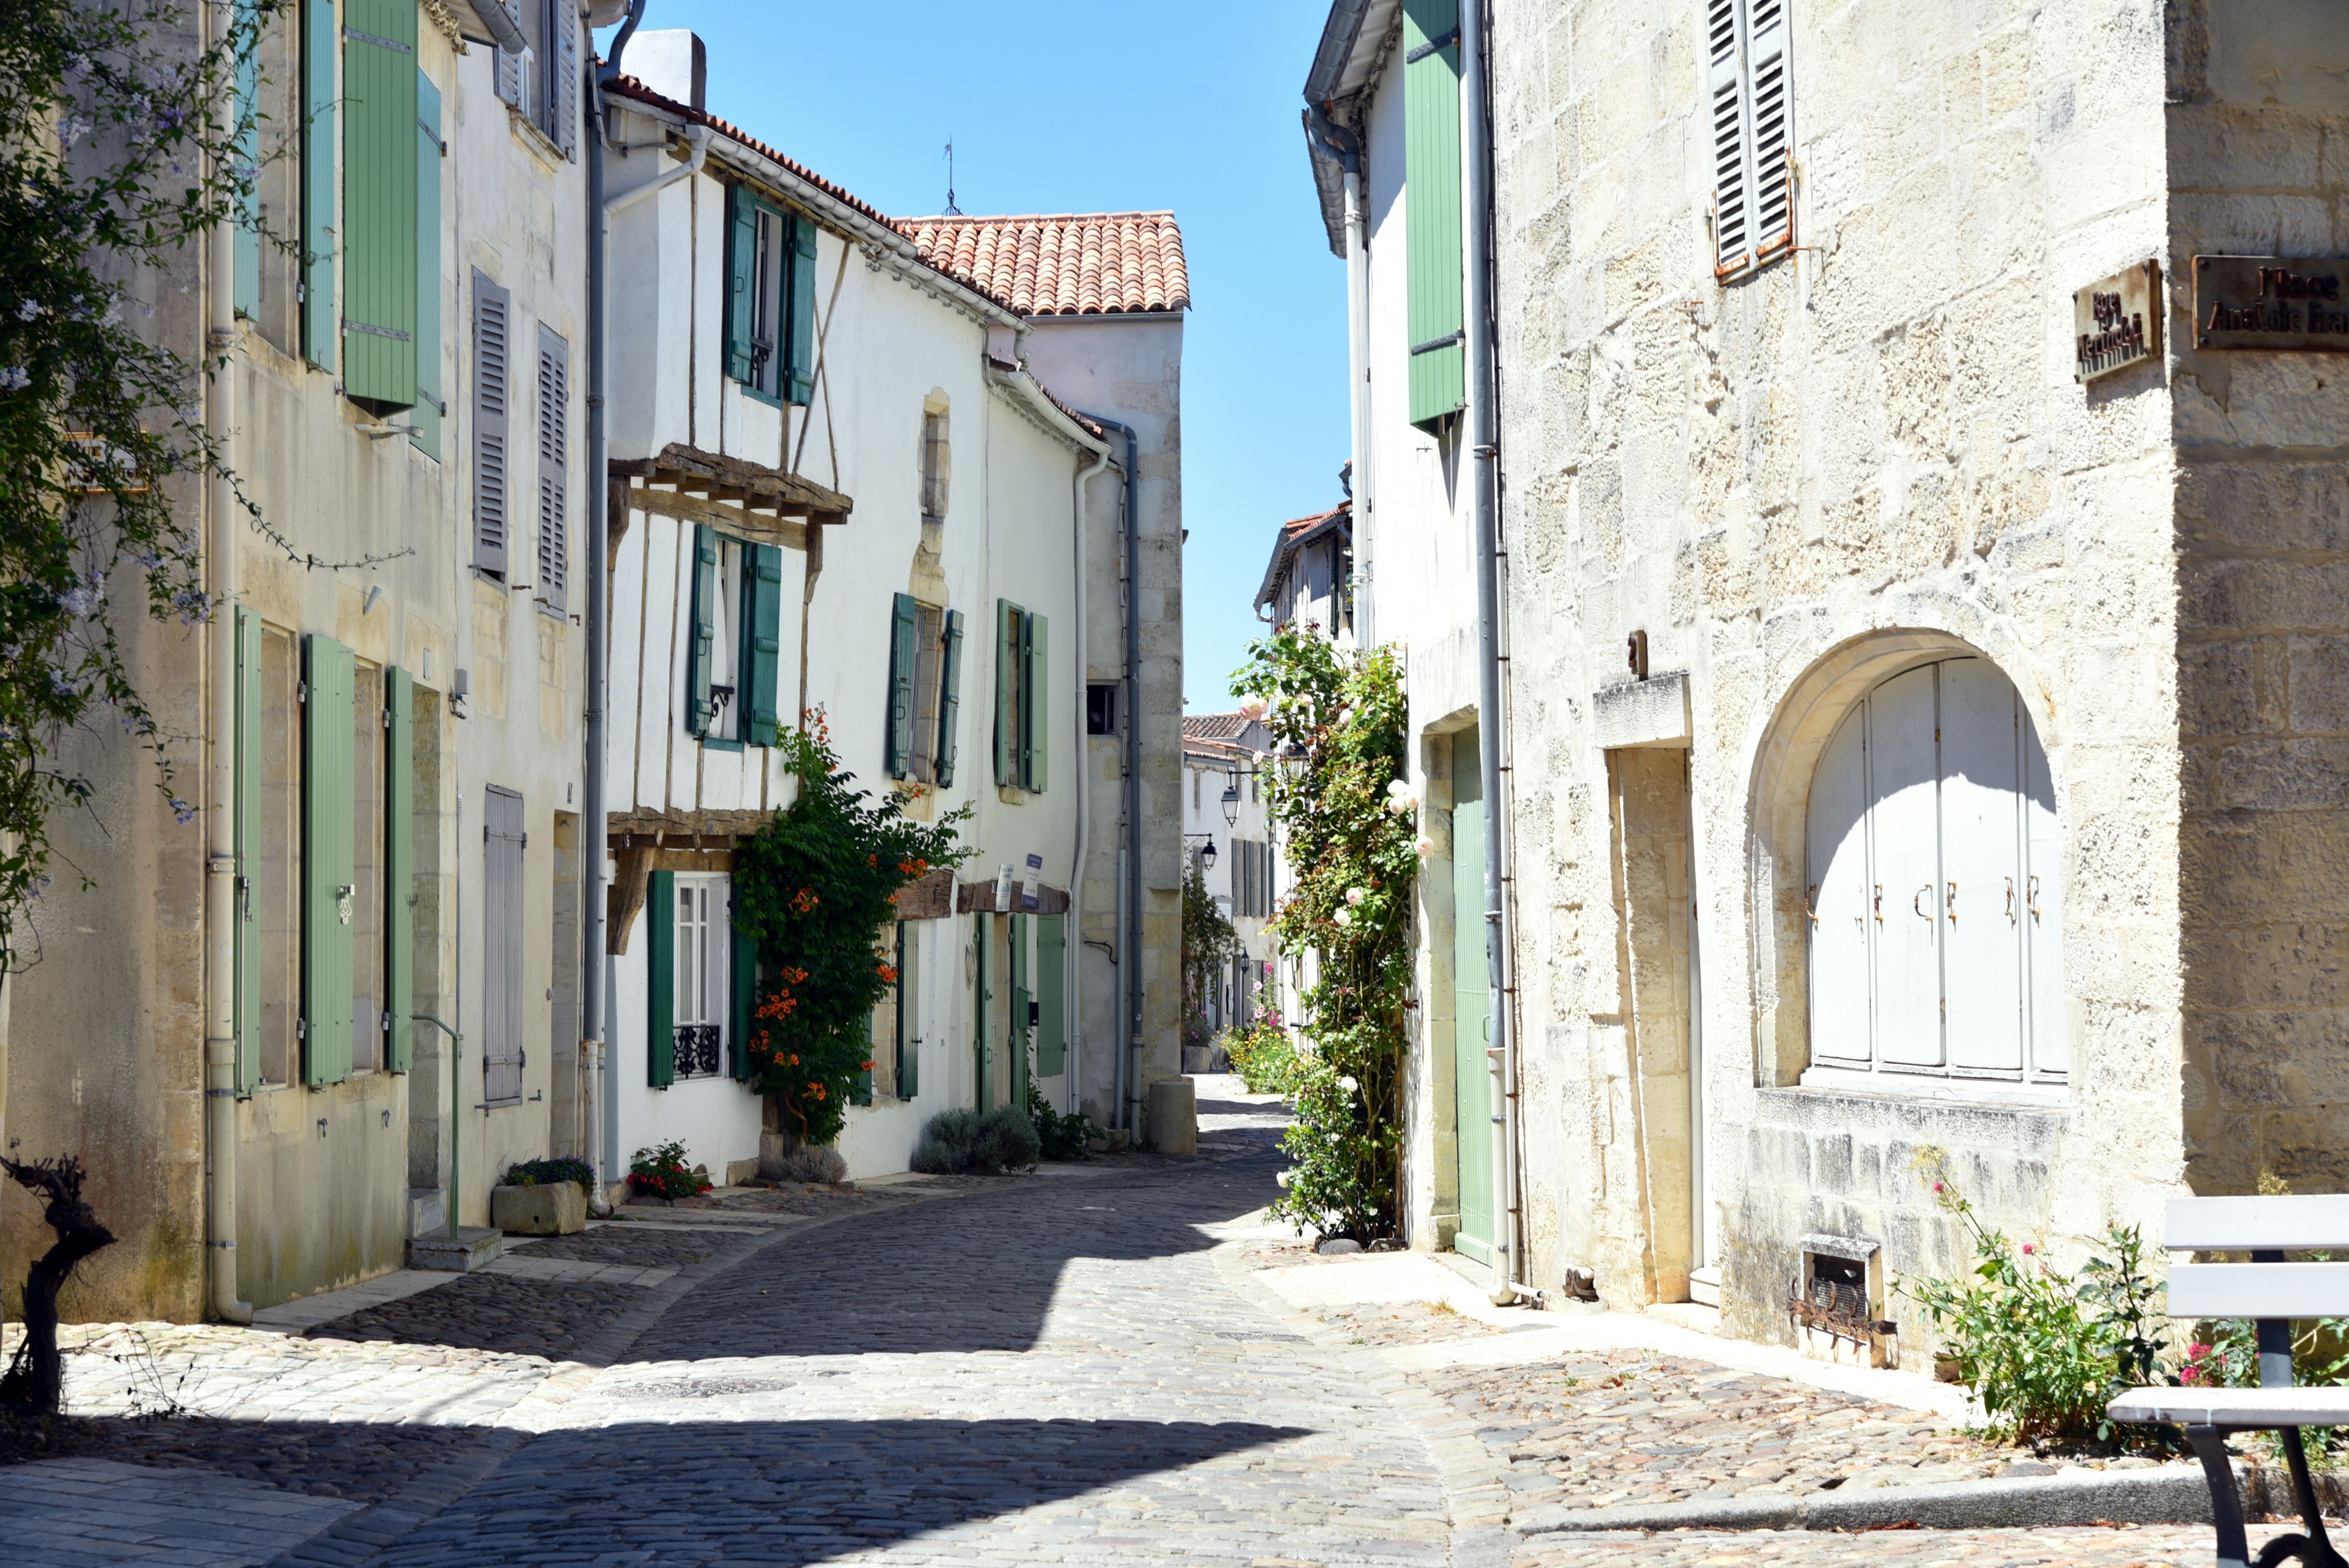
{"points": [[674, 63]]}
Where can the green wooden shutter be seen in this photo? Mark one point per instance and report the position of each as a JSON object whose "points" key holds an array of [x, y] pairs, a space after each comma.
{"points": [[904, 625], [327, 872], [799, 311], [1435, 309], [319, 53], [742, 993], [379, 147], [762, 674], [981, 993], [248, 156], [909, 1044], [249, 724], [1007, 692], [1035, 681], [399, 866], [1052, 995], [660, 1025], [430, 407], [950, 697], [742, 278], [702, 647], [1020, 1034]]}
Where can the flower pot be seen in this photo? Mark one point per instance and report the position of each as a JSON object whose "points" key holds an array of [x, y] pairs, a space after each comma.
{"points": [[553, 1209]]}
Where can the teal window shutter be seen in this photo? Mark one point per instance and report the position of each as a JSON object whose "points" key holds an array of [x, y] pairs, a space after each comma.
{"points": [[1021, 1036], [702, 647], [800, 321], [660, 1025], [982, 994], [742, 276], [1035, 680], [430, 407], [763, 672], [1007, 692], [1051, 995], [949, 697], [1434, 264], [327, 870], [398, 866], [320, 51], [909, 1045], [743, 993], [903, 623], [249, 724], [379, 230], [246, 22]]}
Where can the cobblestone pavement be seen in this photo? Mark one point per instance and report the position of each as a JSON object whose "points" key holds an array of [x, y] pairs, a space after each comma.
{"points": [[1078, 1366]]}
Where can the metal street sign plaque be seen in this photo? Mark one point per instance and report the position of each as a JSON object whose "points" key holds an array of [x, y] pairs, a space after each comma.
{"points": [[2116, 322], [2272, 301]]}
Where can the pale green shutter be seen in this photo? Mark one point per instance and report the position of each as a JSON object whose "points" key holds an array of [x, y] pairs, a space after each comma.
{"points": [[703, 646], [799, 311], [248, 157], [905, 624], [949, 697], [742, 993], [1007, 692], [430, 407], [1051, 995], [1436, 313], [742, 279], [1020, 1034], [379, 147], [399, 866], [1035, 681], [319, 53], [762, 677], [660, 1025], [327, 872], [249, 724], [909, 1044], [981, 993]]}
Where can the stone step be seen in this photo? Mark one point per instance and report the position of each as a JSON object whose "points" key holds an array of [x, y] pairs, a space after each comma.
{"points": [[471, 1247]]}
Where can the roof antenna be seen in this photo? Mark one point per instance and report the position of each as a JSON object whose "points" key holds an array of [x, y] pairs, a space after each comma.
{"points": [[952, 211]]}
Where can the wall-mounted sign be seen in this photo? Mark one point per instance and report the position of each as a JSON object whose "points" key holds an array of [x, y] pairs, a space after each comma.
{"points": [[2116, 321], [2272, 301]]}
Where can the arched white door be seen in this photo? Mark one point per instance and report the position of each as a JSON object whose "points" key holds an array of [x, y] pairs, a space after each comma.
{"points": [[1935, 922]]}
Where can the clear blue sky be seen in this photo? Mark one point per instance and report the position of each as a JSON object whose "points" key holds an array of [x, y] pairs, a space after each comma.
{"points": [[1114, 106]]}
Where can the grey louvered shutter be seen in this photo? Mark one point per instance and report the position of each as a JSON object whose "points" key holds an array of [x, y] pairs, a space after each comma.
{"points": [[1770, 185], [503, 840], [950, 697], [492, 375], [904, 622], [510, 66], [554, 470], [1732, 227], [565, 129]]}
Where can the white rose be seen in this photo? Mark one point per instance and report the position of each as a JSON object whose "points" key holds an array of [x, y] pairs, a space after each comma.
{"points": [[1344, 917], [1354, 896], [1348, 1084], [1426, 847]]}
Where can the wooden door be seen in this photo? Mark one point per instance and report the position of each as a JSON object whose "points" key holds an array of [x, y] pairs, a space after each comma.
{"points": [[1906, 848], [1981, 869], [1840, 898]]}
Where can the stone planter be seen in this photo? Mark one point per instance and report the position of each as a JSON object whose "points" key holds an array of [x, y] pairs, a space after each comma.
{"points": [[553, 1209]]}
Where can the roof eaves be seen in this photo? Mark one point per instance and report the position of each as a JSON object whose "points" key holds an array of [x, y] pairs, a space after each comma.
{"points": [[1294, 536], [1354, 39]]}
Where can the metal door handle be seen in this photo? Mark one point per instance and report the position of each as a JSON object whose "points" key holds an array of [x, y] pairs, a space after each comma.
{"points": [[2030, 897], [2010, 900], [1879, 903], [1917, 902], [1951, 905]]}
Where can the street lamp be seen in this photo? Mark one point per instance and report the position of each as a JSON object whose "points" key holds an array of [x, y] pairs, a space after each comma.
{"points": [[1206, 852], [1232, 797]]}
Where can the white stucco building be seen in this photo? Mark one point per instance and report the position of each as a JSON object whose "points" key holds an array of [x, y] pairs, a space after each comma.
{"points": [[1224, 811]]}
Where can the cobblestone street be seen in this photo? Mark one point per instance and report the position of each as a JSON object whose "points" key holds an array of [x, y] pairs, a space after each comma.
{"points": [[1105, 1361]]}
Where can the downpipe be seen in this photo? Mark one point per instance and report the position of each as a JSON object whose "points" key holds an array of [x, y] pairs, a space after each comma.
{"points": [[1484, 451], [1347, 147], [221, 878], [1129, 1059], [1076, 977]]}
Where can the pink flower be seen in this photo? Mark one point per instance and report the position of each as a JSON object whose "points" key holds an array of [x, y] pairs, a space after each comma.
{"points": [[1937, 1186], [2028, 1249]]}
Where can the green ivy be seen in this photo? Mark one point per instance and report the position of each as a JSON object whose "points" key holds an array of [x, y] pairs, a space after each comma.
{"points": [[1349, 823], [815, 889]]}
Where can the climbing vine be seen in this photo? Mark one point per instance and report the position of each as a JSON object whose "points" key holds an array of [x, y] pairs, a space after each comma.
{"points": [[815, 889], [1350, 820]]}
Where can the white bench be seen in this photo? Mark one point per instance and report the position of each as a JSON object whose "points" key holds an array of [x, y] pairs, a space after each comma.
{"points": [[2271, 1293]]}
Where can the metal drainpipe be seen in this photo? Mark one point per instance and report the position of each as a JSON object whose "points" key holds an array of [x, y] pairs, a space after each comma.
{"points": [[1129, 1110], [1347, 147], [220, 860], [1076, 976], [596, 845], [1486, 452]]}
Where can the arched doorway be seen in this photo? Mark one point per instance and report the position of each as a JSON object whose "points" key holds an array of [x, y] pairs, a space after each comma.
{"points": [[1932, 896]]}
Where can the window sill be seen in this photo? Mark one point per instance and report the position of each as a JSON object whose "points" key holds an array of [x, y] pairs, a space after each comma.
{"points": [[536, 139], [1940, 1088], [756, 396], [712, 743], [1012, 795]]}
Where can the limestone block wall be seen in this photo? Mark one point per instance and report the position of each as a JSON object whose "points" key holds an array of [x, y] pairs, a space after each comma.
{"points": [[2258, 142], [1868, 454]]}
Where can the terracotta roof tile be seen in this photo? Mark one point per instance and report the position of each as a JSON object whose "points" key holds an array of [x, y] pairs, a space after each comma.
{"points": [[1068, 264]]}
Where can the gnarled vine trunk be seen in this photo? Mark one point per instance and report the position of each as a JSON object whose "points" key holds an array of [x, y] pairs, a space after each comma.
{"points": [[34, 1385]]}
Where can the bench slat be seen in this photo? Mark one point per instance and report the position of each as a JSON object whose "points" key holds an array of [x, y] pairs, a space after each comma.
{"points": [[2258, 1290], [2256, 1224], [2234, 1407]]}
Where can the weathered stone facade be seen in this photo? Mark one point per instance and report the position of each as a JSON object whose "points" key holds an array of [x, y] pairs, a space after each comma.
{"points": [[1866, 455]]}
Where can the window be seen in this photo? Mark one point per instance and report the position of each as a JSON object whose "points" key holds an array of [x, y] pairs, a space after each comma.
{"points": [[1023, 711], [1933, 902], [733, 663], [924, 698], [770, 300], [1747, 92], [1101, 708], [541, 83], [934, 467], [1436, 305], [726, 643], [702, 978]]}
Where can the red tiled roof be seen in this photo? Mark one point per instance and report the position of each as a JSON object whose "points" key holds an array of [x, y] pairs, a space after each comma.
{"points": [[1068, 264], [1294, 534], [1213, 726]]}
